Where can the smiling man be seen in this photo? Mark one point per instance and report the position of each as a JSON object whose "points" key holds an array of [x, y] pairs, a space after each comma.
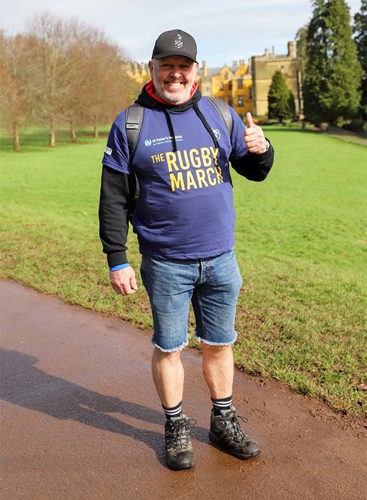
{"points": [[174, 76], [184, 220]]}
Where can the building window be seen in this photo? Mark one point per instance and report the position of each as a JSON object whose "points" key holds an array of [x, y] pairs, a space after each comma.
{"points": [[240, 83], [240, 101], [230, 86]]}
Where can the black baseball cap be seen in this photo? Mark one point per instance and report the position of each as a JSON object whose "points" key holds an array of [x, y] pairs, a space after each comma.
{"points": [[175, 43]]}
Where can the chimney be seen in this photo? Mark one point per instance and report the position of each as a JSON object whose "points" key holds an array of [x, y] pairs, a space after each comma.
{"points": [[292, 50]]}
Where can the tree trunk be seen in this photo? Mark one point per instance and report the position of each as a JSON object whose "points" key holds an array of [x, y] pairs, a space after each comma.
{"points": [[16, 137], [52, 138], [72, 131], [95, 128]]}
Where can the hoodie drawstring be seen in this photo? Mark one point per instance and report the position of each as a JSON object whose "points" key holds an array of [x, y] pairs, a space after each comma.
{"points": [[170, 128], [201, 118]]}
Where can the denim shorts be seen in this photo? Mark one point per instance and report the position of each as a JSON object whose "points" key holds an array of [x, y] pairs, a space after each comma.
{"points": [[212, 286]]}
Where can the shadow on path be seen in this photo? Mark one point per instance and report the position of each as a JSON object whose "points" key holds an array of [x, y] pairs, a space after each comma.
{"points": [[25, 385]]}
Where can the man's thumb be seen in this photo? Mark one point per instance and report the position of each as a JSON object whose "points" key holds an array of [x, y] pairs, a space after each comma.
{"points": [[249, 120]]}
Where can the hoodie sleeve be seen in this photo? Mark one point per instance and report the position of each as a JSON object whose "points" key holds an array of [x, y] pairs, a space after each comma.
{"points": [[114, 214], [253, 166]]}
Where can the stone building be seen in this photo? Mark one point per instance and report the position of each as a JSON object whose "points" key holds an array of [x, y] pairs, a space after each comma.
{"points": [[263, 68], [230, 83]]}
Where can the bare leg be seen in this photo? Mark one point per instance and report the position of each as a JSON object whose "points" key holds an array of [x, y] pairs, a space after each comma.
{"points": [[218, 370], [225, 430], [168, 376]]}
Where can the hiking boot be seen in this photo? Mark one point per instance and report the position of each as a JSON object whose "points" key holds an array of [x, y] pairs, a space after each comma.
{"points": [[226, 433], [179, 451]]}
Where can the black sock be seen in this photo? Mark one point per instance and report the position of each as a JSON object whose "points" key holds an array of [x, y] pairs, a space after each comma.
{"points": [[221, 404], [175, 411]]}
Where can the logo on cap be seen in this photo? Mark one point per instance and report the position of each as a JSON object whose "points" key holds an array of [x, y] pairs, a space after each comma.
{"points": [[178, 42]]}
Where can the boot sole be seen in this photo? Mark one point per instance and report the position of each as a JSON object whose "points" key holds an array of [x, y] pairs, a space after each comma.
{"points": [[180, 467]]}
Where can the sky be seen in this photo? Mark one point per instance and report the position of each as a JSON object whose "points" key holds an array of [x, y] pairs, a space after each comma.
{"points": [[225, 31]]}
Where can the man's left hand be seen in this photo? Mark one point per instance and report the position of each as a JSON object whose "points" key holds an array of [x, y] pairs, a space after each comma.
{"points": [[254, 137]]}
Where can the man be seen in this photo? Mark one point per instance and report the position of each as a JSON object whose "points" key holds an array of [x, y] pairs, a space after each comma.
{"points": [[184, 219]]}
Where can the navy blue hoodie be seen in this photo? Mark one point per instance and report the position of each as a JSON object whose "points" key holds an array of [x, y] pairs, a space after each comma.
{"points": [[182, 160]]}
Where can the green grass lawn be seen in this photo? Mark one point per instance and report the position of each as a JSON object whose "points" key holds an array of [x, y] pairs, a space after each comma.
{"points": [[301, 246]]}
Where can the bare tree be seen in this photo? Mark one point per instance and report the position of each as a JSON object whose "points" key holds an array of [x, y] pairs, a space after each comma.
{"points": [[52, 70], [15, 69], [62, 71], [109, 88], [80, 76], [74, 109], [88, 91]]}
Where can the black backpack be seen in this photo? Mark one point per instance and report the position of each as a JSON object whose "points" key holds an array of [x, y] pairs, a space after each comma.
{"points": [[134, 120]]}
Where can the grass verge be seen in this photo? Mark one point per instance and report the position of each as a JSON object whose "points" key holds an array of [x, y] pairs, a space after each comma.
{"points": [[301, 246]]}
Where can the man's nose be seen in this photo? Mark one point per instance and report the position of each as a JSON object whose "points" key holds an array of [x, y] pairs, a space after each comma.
{"points": [[175, 71]]}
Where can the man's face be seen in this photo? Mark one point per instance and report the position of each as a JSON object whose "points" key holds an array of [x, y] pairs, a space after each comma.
{"points": [[173, 77]]}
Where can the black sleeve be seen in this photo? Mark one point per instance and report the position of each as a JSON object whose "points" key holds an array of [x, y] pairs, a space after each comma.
{"points": [[253, 166], [114, 215]]}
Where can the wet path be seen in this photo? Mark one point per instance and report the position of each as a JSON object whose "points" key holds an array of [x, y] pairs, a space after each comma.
{"points": [[80, 419]]}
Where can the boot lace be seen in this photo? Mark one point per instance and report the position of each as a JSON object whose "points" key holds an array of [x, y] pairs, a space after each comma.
{"points": [[178, 433], [232, 427]]}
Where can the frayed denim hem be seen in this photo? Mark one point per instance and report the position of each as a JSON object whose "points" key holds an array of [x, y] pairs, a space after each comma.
{"points": [[204, 341], [174, 349]]}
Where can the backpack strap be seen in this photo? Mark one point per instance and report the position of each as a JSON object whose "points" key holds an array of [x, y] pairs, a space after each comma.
{"points": [[134, 120], [224, 112]]}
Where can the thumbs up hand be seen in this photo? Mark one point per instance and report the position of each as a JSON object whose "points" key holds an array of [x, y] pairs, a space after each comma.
{"points": [[254, 137], [249, 120]]}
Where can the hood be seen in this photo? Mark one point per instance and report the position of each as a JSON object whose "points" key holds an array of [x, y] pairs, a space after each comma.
{"points": [[147, 99]]}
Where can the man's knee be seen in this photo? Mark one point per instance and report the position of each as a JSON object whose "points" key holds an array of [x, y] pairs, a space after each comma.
{"points": [[215, 349], [170, 357]]}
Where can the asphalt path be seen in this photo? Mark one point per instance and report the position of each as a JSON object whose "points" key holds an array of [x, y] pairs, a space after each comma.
{"points": [[80, 419]]}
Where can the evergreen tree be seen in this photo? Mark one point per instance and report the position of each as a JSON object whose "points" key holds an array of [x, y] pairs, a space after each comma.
{"points": [[280, 99], [333, 73], [301, 43], [360, 32]]}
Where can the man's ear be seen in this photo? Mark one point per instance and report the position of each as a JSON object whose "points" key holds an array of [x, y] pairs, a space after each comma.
{"points": [[150, 67]]}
